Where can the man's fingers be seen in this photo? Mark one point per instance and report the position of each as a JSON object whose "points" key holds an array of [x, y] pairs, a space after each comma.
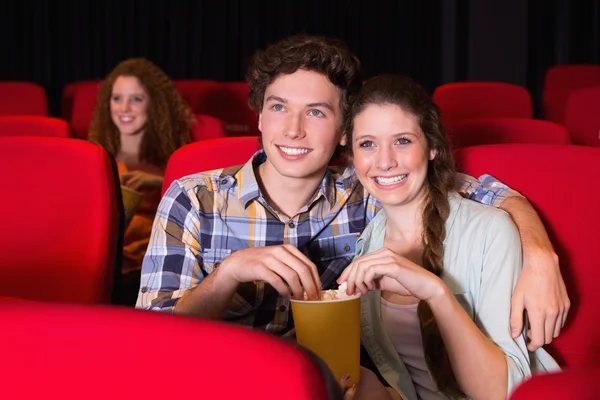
{"points": [[536, 322], [302, 258], [274, 280], [303, 270], [557, 326], [289, 276], [550, 323], [516, 316]]}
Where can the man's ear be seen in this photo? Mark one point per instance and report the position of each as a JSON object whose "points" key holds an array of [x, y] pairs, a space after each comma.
{"points": [[344, 139], [260, 121]]}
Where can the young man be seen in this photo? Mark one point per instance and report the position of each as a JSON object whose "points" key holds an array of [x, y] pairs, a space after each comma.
{"points": [[237, 243]]}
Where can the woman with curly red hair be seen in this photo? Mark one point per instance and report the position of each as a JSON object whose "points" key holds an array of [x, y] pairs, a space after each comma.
{"points": [[140, 119]]}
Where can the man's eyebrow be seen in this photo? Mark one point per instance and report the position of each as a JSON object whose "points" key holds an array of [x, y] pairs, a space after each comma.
{"points": [[276, 98], [321, 104]]}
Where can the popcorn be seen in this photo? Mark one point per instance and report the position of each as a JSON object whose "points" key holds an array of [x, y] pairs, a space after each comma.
{"points": [[335, 294]]}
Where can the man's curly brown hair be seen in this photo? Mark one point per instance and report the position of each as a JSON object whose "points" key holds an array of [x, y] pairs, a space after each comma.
{"points": [[327, 56], [169, 117]]}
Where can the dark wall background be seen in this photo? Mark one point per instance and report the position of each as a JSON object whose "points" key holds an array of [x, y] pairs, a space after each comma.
{"points": [[435, 41]]}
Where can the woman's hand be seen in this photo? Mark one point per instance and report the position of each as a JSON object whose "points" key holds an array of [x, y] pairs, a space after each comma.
{"points": [[369, 387], [386, 270], [138, 180]]}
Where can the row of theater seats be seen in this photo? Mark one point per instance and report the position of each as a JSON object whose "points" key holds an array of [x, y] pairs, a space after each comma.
{"points": [[103, 354], [63, 225], [206, 127], [463, 133], [571, 97]]}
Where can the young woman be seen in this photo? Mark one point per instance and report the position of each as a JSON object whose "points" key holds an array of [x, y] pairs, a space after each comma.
{"points": [[437, 271], [140, 119]]}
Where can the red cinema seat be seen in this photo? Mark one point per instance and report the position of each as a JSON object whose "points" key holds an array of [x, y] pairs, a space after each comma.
{"points": [[34, 125], [228, 101], [84, 101], [463, 100], [575, 383], [207, 127], [494, 130], [193, 89], [207, 155], [74, 352], [560, 183], [559, 82], [68, 96], [22, 98], [61, 221], [582, 116]]}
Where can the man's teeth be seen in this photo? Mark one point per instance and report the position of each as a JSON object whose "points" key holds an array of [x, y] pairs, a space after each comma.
{"points": [[293, 152], [390, 181]]}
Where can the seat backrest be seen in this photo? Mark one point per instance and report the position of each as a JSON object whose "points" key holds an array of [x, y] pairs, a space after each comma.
{"points": [[207, 127], [495, 130], [228, 101], [22, 98], [60, 226], [33, 125], [207, 155], [559, 82], [560, 183], [84, 101], [193, 89], [68, 95], [464, 100], [574, 383], [582, 116], [100, 352]]}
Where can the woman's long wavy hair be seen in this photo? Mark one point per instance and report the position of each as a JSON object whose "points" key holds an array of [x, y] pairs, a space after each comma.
{"points": [[169, 116], [411, 97]]}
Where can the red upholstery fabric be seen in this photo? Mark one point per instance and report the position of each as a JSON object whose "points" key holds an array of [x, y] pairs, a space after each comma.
{"points": [[33, 125], [207, 155], [207, 127], [98, 352], [7, 299], [582, 116], [60, 220], [577, 383], [559, 82], [193, 90], [22, 98], [479, 131], [560, 181], [228, 101], [464, 100], [68, 96], [84, 101]]}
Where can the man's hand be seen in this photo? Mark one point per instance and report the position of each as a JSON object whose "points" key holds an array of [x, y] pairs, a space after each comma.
{"points": [[284, 267], [541, 291]]}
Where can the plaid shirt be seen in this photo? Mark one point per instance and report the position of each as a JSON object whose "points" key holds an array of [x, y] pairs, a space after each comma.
{"points": [[204, 217]]}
